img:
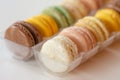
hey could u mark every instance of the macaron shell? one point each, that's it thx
(109, 20)
(95, 26)
(71, 46)
(67, 15)
(57, 15)
(81, 8)
(25, 37)
(85, 4)
(87, 38)
(64, 18)
(58, 59)
(100, 25)
(81, 23)
(91, 3)
(73, 10)
(114, 14)
(84, 10)
(75, 34)
(76, 37)
(36, 35)
(73, 38)
(92, 38)
(44, 23)
(91, 24)
(51, 23)
(44, 30)
(106, 22)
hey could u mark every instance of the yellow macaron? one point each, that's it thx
(82, 23)
(51, 22)
(110, 18)
(101, 27)
(45, 24)
(92, 24)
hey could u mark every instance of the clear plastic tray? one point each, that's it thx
(82, 58)
(29, 52)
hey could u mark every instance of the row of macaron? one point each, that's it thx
(32, 30)
(58, 53)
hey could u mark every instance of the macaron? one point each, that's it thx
(92, 27)
(76, 10)
(58, 58)
(114, 4)
(73, 11)
(80, 38)
(45, 24)
(81, 8)
(57, 15)
(91, 37)
(110, 18)
(51, 23)
(67, 15)
(98, 26)
(91, 4)
(23, 34)
(101, 27)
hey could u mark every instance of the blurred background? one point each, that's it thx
(13, 10)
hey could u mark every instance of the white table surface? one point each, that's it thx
(103, 66)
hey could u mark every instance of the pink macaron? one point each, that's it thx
(84, 39)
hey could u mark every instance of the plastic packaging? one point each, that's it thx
(81, 58)
(25, 53)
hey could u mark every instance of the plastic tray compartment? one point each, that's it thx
(84, 56)
(25, 53)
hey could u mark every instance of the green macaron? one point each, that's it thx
(67, 15)
(56, 14)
